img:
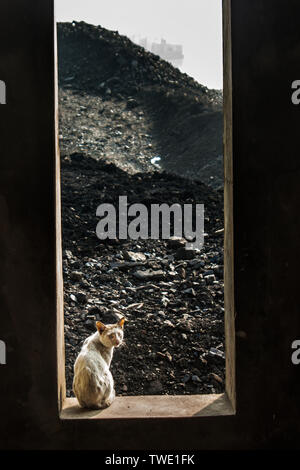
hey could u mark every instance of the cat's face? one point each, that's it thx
(111, 335)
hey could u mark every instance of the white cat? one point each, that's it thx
(93, 382)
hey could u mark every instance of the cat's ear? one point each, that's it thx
(121, 322)
(100, 326)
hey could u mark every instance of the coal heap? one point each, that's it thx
(118, 106)
(110, 60)
(185, 118)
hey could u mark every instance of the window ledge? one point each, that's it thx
(153, 406)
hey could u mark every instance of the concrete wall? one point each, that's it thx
(266, 191)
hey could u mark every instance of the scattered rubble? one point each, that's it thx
(175, 318)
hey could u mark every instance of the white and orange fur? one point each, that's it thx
(93, 382)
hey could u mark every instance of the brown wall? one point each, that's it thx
(266, 59)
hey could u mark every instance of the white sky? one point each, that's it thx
(196, 24)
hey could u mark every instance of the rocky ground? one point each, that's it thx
(125, 118)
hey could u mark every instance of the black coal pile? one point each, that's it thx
(133, 125)
(184, 118)
(114, 64)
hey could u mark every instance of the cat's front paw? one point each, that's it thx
(109, 400)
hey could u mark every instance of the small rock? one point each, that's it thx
(90, 324)
(184, 325)
(81, 297)
(132, 103)
(76, 276)
(209, 272)
(182, 272)
(176, 242)
(168, 323)
(134, 257)
(186, 378)
(216, 377)
(190, 291)
(186, 253)
(95, 310)
(217, 352)
(149, 275)
(168, 356)
(210, 279)
(202, 361)
(196, 263)
(69, 254)
(195, 379)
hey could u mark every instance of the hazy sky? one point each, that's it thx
(196, 24)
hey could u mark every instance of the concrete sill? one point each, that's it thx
(153, 406)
